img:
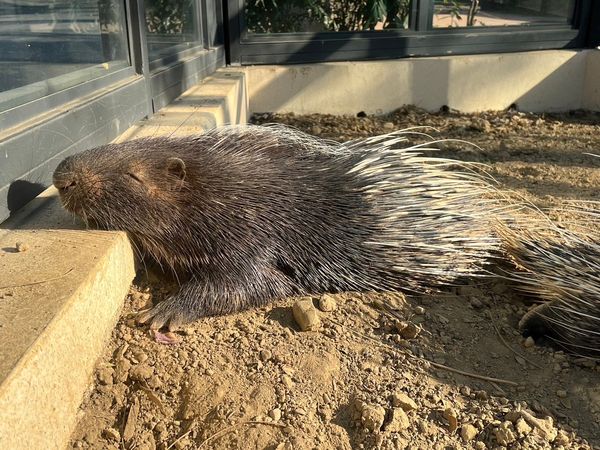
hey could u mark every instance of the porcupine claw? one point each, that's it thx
(166, 313)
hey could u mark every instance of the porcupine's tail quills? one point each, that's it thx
(561, 268)
(434, 220)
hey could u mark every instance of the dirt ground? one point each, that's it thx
(444, 371)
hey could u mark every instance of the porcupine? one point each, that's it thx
(248, 214)
(561, 267)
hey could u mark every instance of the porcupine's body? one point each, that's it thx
(560, 267)
(250, 214)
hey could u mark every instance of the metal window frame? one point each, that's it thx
(35, 136)
(419, 40)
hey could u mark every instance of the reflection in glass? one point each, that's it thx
(493, 13)
(275, 16)
(49, 46)
(170, 26)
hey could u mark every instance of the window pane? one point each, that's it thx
(493, 13)
(275, 16)
(170, 26)
(49, 46)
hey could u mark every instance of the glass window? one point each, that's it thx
(170, 26)
(46, 47)
(493, 13)
(275, 16)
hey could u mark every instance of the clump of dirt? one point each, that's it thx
(446, 370)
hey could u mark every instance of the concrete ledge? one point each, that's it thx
(591, 88)
(550, 80)
(61, 297)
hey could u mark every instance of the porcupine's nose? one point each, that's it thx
(64, 177)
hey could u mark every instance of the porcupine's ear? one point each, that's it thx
(176, 168)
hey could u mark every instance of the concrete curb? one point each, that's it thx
(61, 297)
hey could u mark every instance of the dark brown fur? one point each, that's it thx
(250, 214)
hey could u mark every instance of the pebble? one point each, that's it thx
(529, 342)
(327, 303)
(476, 303)
(141, 372)
(287, 381)
(398, 421)
(316, 130)
(389, 126)
(106, 376)
(561, 393)
(265, 355)
(468, 432)
(111, 433)
(400, 399)
(522, 427)
(306, 315)
(372, 417)
(122, 370)
(450, 415)
(22, 247)
(419, 310)
(408, 330)
(275, 414)
(504, 434)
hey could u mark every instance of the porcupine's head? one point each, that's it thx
(139, 187)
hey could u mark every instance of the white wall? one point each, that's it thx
(591, 89)
(552, 80)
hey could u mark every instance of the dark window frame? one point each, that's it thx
(419, 40)
(39, 133)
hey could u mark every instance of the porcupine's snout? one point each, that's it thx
(73, 184)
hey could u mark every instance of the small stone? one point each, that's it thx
(122, 370)
(22, 247)
(327, 303)
(389, 126)
(522, 427)
(398, 421)
(400, 399)
(544, 428)
(450, 415)
(562, 438)
(275, 414)
(105, 376)
(408, 330)
(141, 372)
(529, 342)
(183, 443)
(372, 417)
(284, 446)
(287, 381)
(112, 434)
(504, 434)
(161, 428)
(468, 432)
(419, 310)
(561, 393)
(306, 315)
(265, 355)
(476, 303)
(140, 355)
(316, 129)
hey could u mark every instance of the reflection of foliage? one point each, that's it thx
(273, 16)
(455, 8)
(169, 16)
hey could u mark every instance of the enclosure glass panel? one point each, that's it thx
(46, 47)
(493, 13)
(170, 26)
(275, 16)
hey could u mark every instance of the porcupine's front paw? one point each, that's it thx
(171, 313)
